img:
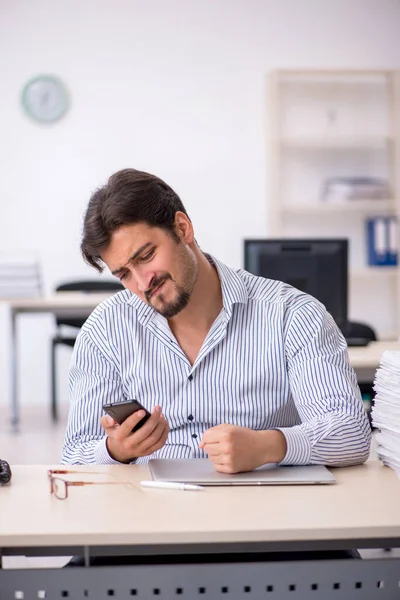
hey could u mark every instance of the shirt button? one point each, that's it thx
(190, 377)
(194, 435)
(190, 417)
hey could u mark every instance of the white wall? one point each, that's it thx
(174, 87)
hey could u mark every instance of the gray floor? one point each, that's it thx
(39, 441)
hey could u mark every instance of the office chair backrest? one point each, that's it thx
(87, 286)
(360, 330)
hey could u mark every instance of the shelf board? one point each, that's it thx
(351, 206)
(348, 73)
(364, 272)
(336, 141)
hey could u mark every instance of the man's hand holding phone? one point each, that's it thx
(124, 445)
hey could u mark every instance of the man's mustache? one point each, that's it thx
(155, 284)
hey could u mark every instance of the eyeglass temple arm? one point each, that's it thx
(79, 483)
(68, 471)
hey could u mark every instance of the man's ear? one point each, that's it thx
(184, 228)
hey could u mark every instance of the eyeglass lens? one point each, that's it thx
(59, 488)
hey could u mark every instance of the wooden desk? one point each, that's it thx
(62, 304)
(365, 360)
(361, 510)
(340, 514)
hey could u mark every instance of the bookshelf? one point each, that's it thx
(326, 129)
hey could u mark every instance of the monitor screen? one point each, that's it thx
(317, 267)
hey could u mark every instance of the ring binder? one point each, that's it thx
(382, 243)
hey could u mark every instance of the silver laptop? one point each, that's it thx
(202, 472)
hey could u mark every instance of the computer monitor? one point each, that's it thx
(315, 266)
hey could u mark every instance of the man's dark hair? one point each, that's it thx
(128, 197)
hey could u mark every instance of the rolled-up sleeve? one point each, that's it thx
(334, 427)
(93, 381)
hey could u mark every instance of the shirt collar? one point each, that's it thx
(233, 289)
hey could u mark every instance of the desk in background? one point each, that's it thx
(365, 360)
(360, 511)
(63, 304)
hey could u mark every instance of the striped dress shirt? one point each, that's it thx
(273, 359)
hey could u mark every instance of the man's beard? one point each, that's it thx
(171, 309)
(183, 294)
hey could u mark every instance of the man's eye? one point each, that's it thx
(123, 276)
(148, 255)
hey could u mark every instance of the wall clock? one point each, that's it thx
(45, 99)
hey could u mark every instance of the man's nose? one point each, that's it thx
(144, 281)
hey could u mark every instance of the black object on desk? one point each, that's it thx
(5, 472)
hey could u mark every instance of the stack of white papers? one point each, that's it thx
(19, 277)
(386, 409)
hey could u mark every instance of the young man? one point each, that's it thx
(237, 368)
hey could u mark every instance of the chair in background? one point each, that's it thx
(360, 331)
(89, 286)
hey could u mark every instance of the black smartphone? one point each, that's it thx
(119, 411)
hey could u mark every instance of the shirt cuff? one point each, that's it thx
(102, 456)
(298, 446)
